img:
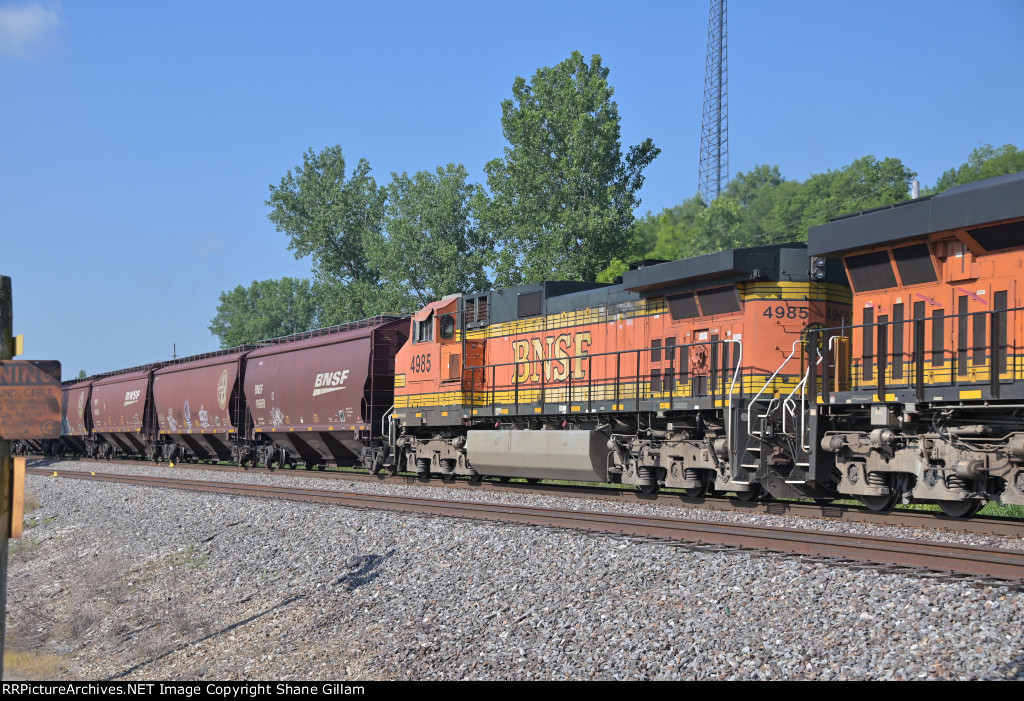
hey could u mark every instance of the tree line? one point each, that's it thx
(558, 205)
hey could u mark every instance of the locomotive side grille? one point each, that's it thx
(720, 300)
(867, 352)
(999, 302)
(961, 336)
(915, 264)
(897, 342)
(871, 271)
(938, 338)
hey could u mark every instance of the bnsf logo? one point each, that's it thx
(330, 382)
(132, 397)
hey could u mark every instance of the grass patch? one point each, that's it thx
(1009, 510)
(32, 666)
(25, 548)
(190, 558)
(30, 503)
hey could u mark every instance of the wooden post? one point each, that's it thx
(6, 473)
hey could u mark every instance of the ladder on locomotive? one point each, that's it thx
(789, 411)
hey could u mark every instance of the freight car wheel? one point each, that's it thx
(647, 488)
(533, 480)
(752, 494)
(960, 509)
(884, 502)
(703, 488)
(447, 478)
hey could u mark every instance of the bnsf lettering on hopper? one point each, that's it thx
(329, 381)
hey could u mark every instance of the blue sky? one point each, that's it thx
(138, 140)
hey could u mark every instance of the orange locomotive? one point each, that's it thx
(687, 374)
(934, 407)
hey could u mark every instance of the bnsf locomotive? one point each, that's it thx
(878, 361)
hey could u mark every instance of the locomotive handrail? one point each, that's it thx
(801, 387)
(803, 398)
(728, 402)
(571, 383)
(951, 364)
(384, 420)
(750, 413)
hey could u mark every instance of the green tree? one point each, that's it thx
(265, 309)
(562, 198)
(762, 207)
(432, 247)
(335, 220)
(672, 231)
(82, 375)
(615, 268)
(984, 162)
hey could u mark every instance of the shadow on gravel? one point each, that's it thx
(43, 462)
(214, 634)
(367, 565)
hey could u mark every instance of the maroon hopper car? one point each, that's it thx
(321, 399)
(199, 407)
(119, 411)
(77, 418)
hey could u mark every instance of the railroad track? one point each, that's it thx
(1003, 526)
(919, 555)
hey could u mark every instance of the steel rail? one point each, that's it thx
(997, 563)
(1003, 526)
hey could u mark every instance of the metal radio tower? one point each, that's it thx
(714, 130)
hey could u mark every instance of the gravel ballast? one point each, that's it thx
(129, 582)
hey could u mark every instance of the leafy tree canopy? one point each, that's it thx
(433, 247)
(562, 198)
(335, 220)
(761, 207)
(984, 162)
(265, 309)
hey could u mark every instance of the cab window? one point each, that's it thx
(423, 331)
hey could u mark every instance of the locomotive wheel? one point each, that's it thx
(884, 502)
(960, 509)
(703, 488)
(753, 494)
